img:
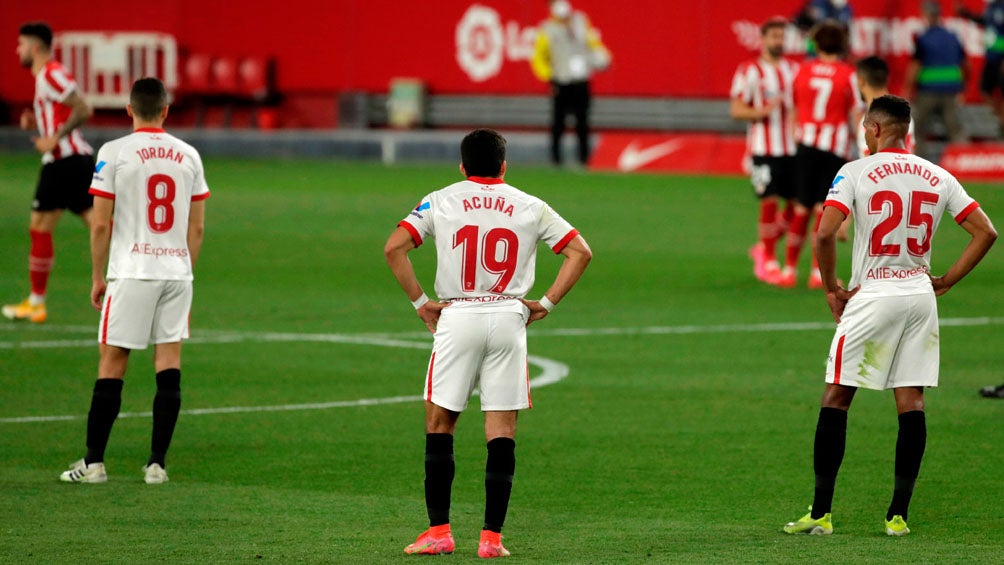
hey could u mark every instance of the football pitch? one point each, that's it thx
(675, 397)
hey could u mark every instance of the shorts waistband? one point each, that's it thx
(481, 299)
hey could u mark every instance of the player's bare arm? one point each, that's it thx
(983, 237)
(577, 257)
(740, 110)
(826, 252)
(80, 112)
(196, 228)
(396, 252)
(101, 237)
(27, 121)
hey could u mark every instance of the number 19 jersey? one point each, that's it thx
(898, 200)
(486, 234)
(153, 177)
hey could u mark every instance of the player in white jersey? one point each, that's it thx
(887, 334)
(486, 235)
(154, 185)
(59, 111)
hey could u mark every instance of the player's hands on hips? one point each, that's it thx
(838, 300)
(45, 144)
(537, 311)
(98, 289)
(429, 312)
(28, 120)
(939, 284)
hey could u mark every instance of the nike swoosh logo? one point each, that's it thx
(633, 158)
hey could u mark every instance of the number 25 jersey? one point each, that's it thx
(898, 200)
(153, 177)
(486, 234)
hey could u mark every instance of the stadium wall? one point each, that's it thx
(322, 48)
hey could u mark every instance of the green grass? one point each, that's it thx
(661, 447)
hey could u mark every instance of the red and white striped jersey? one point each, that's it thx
(153, 177)
(486, 234)
(757, 82)
(53, 84)
(898, 200)
(825, 94)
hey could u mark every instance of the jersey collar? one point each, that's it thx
(894, 150)
(149, 130)
(486, 180)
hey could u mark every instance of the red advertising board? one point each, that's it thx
(677, 153)
(680, 48)
(975, 162)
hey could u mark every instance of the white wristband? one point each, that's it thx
(546, 303)
(420, 301)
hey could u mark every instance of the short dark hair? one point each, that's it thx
(830, 37)
(776, 21)
(38, 30)
(482, 153)
(896, 109)
(148, 98)
(874, 71)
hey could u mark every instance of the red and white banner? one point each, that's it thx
(694, 153)
(681, 48)
(975, 162)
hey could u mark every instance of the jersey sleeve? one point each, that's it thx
(554, 230)
(741, 85)
(419, 221)
(59, 83)
(841, 195)
(200, 190)
(856, 100)
(103, 182)
(959, 203)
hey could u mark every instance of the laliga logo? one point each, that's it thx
(483, 43)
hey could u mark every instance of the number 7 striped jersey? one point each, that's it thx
(486, 234)
(898, 200)
(153, 177)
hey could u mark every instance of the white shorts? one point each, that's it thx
(487, 350)
(137, 313)
(886, 342)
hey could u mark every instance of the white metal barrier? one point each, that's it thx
(106, 64)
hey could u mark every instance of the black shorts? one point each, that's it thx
(992, 77)
(815, 170)
(65, 184)
(773, 176)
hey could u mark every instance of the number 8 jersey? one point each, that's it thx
(153, 177)
(898, 200)
(486, 234)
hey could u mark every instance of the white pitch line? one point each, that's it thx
(401, 340)
(553, 371)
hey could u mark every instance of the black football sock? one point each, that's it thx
(498, 481)
(828, 453)
(166, 405)
(105, 404)
(439, 469)
(910, 445)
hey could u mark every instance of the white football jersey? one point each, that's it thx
(898, 200)
(153, 178)
(486, 234)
